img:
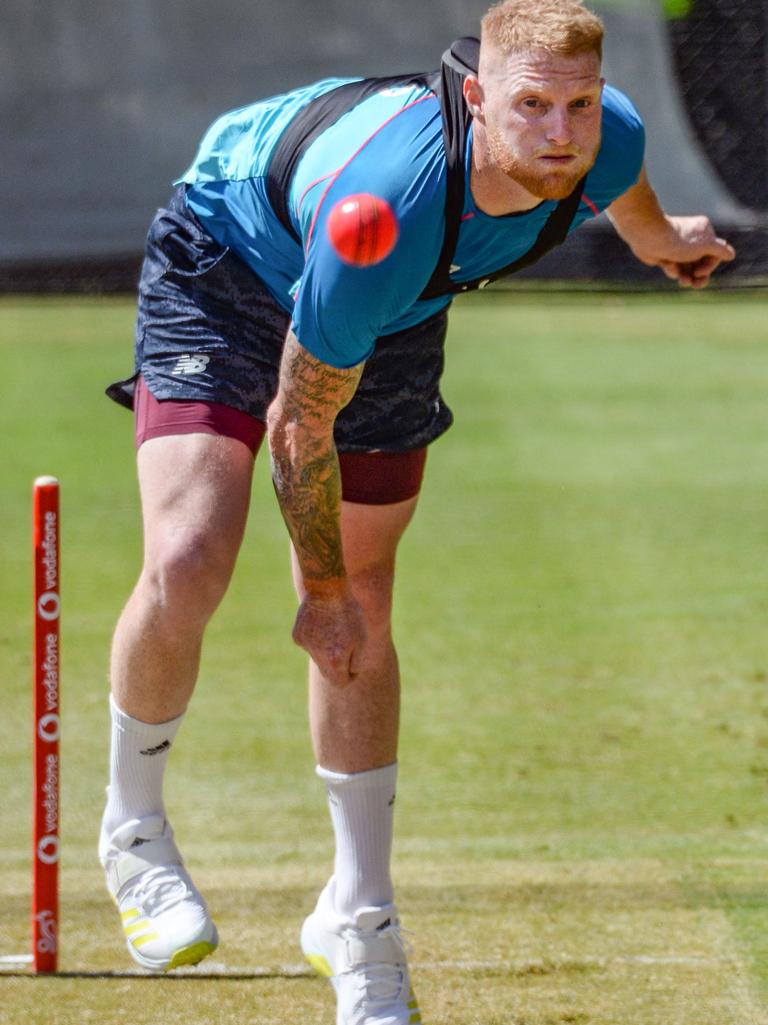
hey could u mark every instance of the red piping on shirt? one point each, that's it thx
(335, 174)
(311, 186)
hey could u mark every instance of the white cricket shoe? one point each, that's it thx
(165, 919)
(365, 961)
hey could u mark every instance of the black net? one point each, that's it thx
(720, 50)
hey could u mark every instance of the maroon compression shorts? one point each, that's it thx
(368, 478)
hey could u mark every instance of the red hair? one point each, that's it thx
(565, 27)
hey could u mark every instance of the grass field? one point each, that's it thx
(582, 827)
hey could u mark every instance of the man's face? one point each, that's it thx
(541, 113)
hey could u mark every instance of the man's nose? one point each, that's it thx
(558, 126)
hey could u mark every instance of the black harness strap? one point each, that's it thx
(309, 124)
(460, 60)
(319, 114)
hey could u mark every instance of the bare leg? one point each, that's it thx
(355, 728)
(354, 732)
(195, 491)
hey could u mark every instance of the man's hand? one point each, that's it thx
(331, 628)
(685, 248)
(691, 252)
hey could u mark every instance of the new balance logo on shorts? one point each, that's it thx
(189, 364)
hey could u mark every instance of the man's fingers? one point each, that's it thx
(340, 670)
(337, 673)
(333, 661)
(705, 266)
(702, 271)
(692, 275)
(333, 635)
(336, 667)
(672, 270)
(725, 250)
(696, 253)
(344, 665)
(355, 661)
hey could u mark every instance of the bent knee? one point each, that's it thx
(373, 586)
(188, 569)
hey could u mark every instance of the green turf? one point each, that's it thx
(580, 616)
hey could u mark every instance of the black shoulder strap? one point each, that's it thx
(310, 123)
(458, 62)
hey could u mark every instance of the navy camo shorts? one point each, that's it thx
(208, 330)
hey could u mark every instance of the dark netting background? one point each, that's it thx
(719, 50)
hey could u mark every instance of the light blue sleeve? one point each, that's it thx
(622, 150)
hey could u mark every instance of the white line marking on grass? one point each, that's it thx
(518, 967)
(558, 964)
(672, 959)
(544, 967)
(257, 971)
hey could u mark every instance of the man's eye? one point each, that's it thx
(582, 104)
(531, 102)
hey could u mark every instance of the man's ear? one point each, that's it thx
(474, 96)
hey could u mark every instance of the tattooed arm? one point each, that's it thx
(305, 471)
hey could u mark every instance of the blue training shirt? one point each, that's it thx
(390, 145)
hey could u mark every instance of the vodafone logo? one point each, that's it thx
(46, 923)
(48, 606)
(49, 727)
(48, 850)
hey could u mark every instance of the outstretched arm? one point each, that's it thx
(305, 472)
(685, 248)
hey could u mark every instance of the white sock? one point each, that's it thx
(137, 758)
(362, 809)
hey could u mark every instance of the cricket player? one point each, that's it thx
(250, 324)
